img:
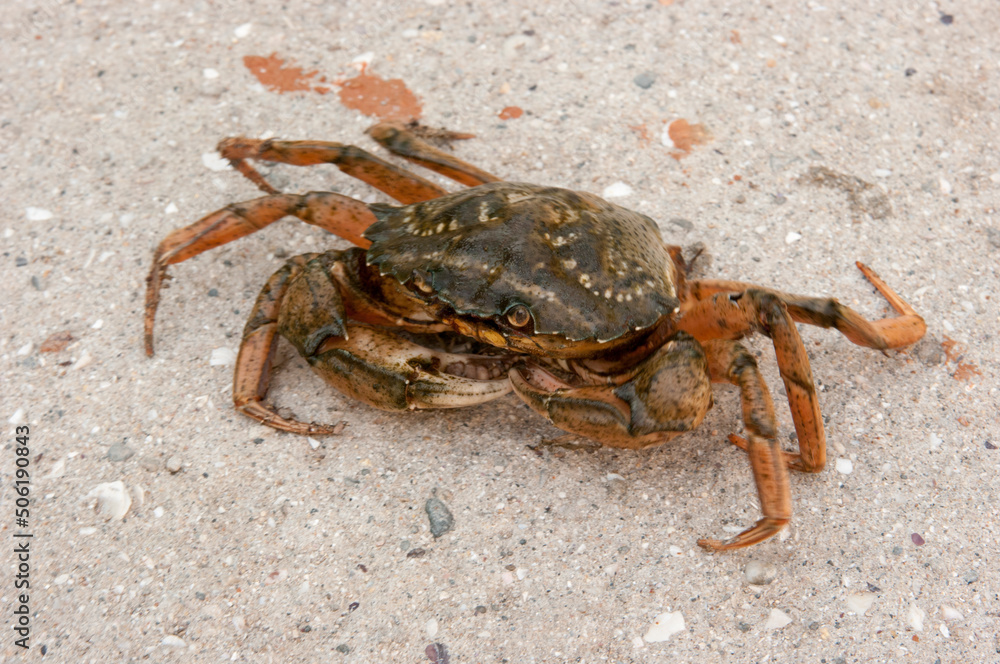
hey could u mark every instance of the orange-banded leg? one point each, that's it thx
(667, 394)
(338, 214)
(730, 362)
(400, 140)
(906, 329)
(397, 182)
(306, 301)
(736, 315)
(718, 315)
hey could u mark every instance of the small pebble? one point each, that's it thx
(440, 517)
(243, 30)
(917, 539)
(616, 190)
(971, 576)
(792, 237)
(844, 466)
(17, 417)
(759, 574)
(208, 73)
(682, 223)
(431, 627)
(343, 648)
(860, 603)
(174, 464)
(171, 208)
(664, 626)
(645, 80)
(120, 452)
(777, 619)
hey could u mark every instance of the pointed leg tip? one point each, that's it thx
(711, 544)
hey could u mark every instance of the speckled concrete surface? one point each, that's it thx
(263, 547)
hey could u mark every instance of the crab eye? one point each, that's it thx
(519, 316)
(421, 282)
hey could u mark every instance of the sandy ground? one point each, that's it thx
(829, 135)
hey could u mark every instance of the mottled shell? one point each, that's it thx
(584, 268)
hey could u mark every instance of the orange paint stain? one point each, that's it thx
(277, 76)
(685, 136)
(387, 100)
(963, 370)
(510, 113)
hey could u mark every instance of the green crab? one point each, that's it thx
(573, 303)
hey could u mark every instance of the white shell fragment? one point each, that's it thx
(243, 30)
(665, 626)
(58, 470)
(777, 619)
(860, 602)
(431, 628)
(222, 357)
(37, 214)
(17, 417)
(792, 237)
(950, 614)
(915, 618)
(616, 190)
(173, 641)
(845, 466)
(112, 500)
(213, 161)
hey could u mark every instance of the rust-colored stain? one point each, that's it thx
(963, 370)
(643, 132)
(388, 100)
(278, 76)
(510, 113)
(685, 136)
(56, 342)
(734, 37)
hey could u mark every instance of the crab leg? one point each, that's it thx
(306, 301)
(338, 214)
(736, 315)
(904, 330)
(397, 182)
(730, 362)
(399, 140)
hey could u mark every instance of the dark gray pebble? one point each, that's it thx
(645, 80)
(440, 517)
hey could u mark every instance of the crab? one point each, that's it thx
(573, 303)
